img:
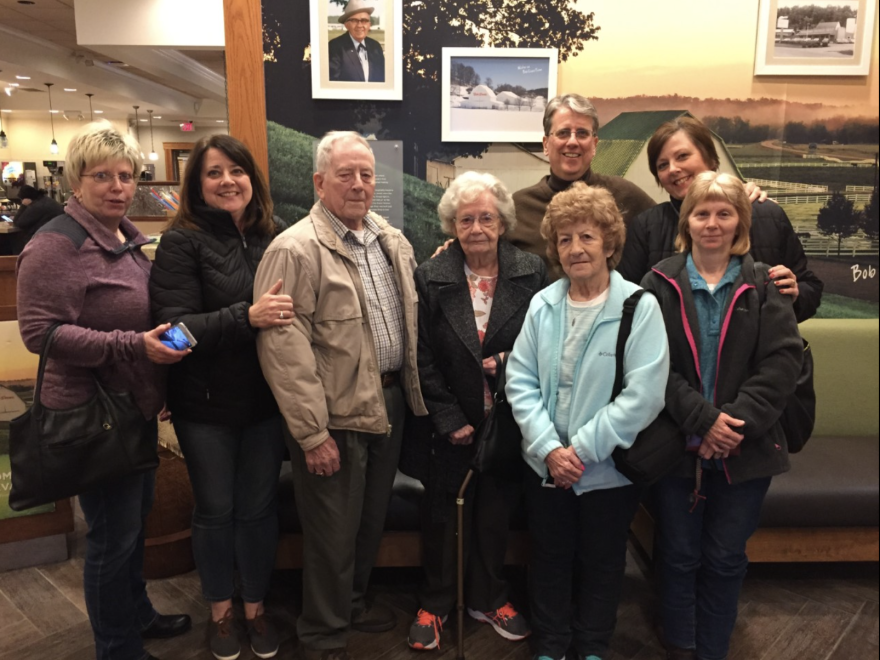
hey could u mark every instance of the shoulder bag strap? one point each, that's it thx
(626, 321)
(44, 356)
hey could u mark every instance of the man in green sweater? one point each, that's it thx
(571, 133)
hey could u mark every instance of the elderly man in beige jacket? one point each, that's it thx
(343, 374)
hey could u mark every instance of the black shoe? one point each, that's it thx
(168, 625)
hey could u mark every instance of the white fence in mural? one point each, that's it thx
(783, 186)
(776, 163)
(820, 199)
(860, 189)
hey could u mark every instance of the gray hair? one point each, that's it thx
(97, 142)
(325, 146)
(574, 102)
(466, 188)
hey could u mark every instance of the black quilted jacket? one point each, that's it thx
(204, 278)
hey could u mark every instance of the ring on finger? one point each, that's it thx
(281, 314)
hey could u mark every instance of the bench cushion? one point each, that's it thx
(833, 482)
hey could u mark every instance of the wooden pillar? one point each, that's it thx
(245, 84)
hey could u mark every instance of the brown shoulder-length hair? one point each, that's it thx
(258, 215)
(697, 132)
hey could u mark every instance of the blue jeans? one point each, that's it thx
(579, 555)
(115, 591)
(702, 557)
(234, 474)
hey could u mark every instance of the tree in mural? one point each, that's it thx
(871, 217)
(838, 218)
(428, 26)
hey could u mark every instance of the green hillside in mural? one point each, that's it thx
(291, 167)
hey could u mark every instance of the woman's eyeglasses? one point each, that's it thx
(106, 177)
(486, 220)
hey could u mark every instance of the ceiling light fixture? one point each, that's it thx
(4, 142)
(91, 114)
(99, 112)
(153, 154)
(53, 147)
(68, 89)
(23, 77)
(137, 127)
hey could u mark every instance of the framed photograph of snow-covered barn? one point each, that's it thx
(496, 94)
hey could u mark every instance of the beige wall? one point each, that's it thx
(17, 362)
(29, 139)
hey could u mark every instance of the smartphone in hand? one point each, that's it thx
(178, 337)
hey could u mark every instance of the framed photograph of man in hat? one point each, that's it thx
(356, 49)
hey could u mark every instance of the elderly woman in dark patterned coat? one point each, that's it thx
(473, 298)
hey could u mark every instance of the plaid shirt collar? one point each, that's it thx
(372, 229)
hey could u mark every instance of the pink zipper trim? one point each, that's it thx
(724, 327)
(742, 289)
(685, 323)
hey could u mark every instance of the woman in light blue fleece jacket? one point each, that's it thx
(560, 374)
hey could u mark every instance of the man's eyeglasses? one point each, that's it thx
(106, 177)
(486, 220)
(581, 134)
(359, 21)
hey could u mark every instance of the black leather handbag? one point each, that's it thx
(498, 438)
(659, 448)
(55, 454)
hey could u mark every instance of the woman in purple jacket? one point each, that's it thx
(85, 272)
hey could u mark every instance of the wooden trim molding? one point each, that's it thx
(245, 82)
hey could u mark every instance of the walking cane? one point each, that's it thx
(459, 503)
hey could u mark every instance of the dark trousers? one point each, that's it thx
(343, 517)
(488, 505)
(578, 564)
(702, 557)
(113, 581)
(234, 474)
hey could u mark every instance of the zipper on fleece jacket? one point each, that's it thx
(690, 337)
(724, 326)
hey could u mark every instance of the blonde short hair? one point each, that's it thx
(593, 204)
(466, 188)
(720, 187)
(97, 142)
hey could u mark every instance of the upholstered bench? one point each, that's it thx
(826, 507)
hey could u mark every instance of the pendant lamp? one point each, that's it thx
(4, 142)
(53, 147)
(91, 114)
(153, 154)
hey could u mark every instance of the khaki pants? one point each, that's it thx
(343, 517)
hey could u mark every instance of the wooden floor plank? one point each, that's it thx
(67, 577)
(15, 636)
(766, 614)
(35, 597)
(9, 613)
(72, 643)
(861, 640)
(815, 634)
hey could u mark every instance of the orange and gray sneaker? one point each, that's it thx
(507, 622)
(424, 633)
